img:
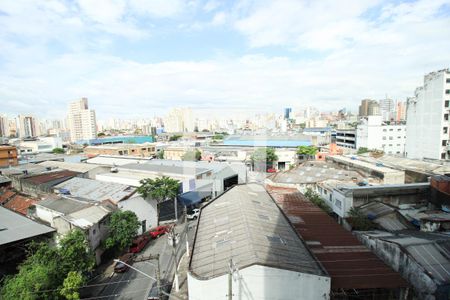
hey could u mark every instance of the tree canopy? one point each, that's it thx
(161, 188)
(192, 155)
(58, 150)
(266, 155)
(362, 150)
(123, 228)
(307, 150)
(160, 154)
(43, 274)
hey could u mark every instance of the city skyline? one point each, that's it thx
(211, 55)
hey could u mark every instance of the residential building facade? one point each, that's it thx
(373, 133)
(427, 115)
(8, 156)
(81, 121)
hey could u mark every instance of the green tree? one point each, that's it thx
(101, 134)
(358, 220)
(71, 285)
(263, 157)
(317, 200)
(58, 150)
(175, 137)
(161, 188)
(75, 253)
(160, 154)
(362, 150)
(193, 155)
(308, 151)
(218, 136)
(123, 227)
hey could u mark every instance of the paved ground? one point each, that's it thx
(134, 285)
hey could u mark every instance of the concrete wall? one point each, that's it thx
(145, 210)
(393, 256)
(260, 282)
(46, 215)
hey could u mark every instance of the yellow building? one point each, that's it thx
(8, 156)
(138, 150)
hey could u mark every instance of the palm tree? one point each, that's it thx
(161, 188)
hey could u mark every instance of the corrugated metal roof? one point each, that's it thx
(88, 216)
(350, 264)
(110, 160)
(6, 195)
(96, 190)
(20, 204)
(63, 205)
(245, 224)
(385, 216)
(50, 176)
(14, 227)
(4, 179)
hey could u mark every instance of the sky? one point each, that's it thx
(138, 58)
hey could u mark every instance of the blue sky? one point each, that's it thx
(136, 58)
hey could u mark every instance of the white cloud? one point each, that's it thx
(158, 8)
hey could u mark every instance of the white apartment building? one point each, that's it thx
(373, 133)
(179, 120)
(427, 116)
(27, 126)
(81, 121)
(4, 126)
(387, 109)
(346, 138)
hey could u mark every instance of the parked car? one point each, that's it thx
(139, 243)
(158, 231)
(271, 170)
(120, 267)
(193, 214)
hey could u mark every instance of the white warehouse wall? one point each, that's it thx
(261, 282)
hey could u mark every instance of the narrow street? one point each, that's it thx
(134, 285)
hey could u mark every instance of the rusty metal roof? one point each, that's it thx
(20, 204)
(51, 176)
(350, 264)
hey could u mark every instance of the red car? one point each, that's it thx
(271, 170)
(139, 243)
(158, 231)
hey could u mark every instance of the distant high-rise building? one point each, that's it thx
(369, 108)
(427, 118)
(387, 109)
(400, 111)
(4, 126)
(287, 113)
(81, 121)
(179, 120)
(27, 126)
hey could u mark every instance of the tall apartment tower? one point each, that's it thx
(179, 120)
(27, 126)
(387, 109)
(4, 126)
(369, 108)
(81, 121)
(427, 118)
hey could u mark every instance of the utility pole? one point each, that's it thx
(176, 208)
(158, 279)
(173, 240)
(230, 280)
(186, 230)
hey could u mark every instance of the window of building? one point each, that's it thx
(391, 138)
(447, 80)
(442, 155)
(399, 129)
(399, 137)
(398, 145)
(390, 145)
(446, 117)
(384, 137)
(444, 143)
(445, 130)
(391, 129)
(384, 145)
(447, 92)
(384, 130)
(398, 152)
(447, 103)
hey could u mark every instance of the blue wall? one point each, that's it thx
(271, 143)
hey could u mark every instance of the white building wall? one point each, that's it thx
(262, 283)
(145, 210)
(426, 113)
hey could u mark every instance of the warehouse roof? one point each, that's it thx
(111, 160)
(14, 227)
(96, 190)
(245, 225)
(76, 167)
(165, 168)
(350, 264)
